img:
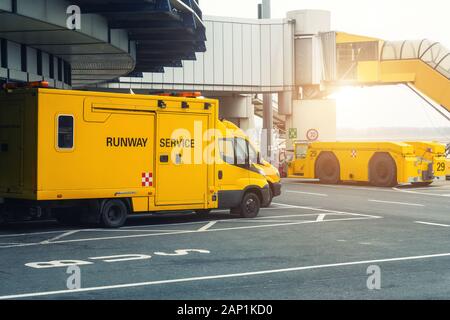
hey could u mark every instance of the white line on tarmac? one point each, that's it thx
(207, 226)
(340, 187)
(280, 206)
(422, 193)
(361, 217)
(221, 276)
(320, 217)
(433, 224)
(308, 193)
(399, 203)
(31, 234)
(66, 234)
(329, 211)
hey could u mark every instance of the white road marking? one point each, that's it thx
(221, 276)
(320, 217)
(433, 224)
(358, 216)
(134, 230)
(330, 211)
(361, 217)
(123, 258)
(31, 234)
(399, 203)
(341, 187)
(308, 193)
(207, 226)
(421, 193)
(66, 234)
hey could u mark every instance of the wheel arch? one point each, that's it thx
(322, 154)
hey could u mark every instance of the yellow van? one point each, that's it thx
(264, 167)
(115, 154)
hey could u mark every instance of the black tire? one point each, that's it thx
(202, 213)
(250, 205)
(383, 171)
(422, 184)
(328, 170)
(269, 202)
(113, 214)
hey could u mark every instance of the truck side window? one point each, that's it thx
(241, 152)
(301, 151)
(227, 150)
(65, 132)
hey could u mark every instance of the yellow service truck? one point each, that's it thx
(264, 167)
(97, 157)
(383, 164)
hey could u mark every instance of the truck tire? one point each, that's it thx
(383, 170)
(269, 201)
(113, 213)
(328, 170)
(250, 205)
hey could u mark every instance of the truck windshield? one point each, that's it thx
(253, 155)
(301, 151)
(227, 150)
(241, 151)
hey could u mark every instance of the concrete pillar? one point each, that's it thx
(238, 109)
(285, 103)
(268, 123)
(267, 139)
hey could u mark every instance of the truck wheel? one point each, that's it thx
(113, 214)
(269, 201)
(250, 205)
(327, 168)
(202, 213)
(383, 171)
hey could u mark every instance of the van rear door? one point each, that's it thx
(181, 178)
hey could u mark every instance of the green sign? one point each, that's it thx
(293, 133)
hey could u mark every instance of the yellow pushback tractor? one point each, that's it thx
(98, 157)
(383, 164)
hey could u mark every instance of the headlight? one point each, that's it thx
(261, 172)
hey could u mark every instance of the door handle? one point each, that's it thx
(220, 174)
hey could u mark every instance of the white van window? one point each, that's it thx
(227, 150)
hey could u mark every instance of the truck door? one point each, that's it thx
(181, 177)
(301, 152)
(233, 172)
